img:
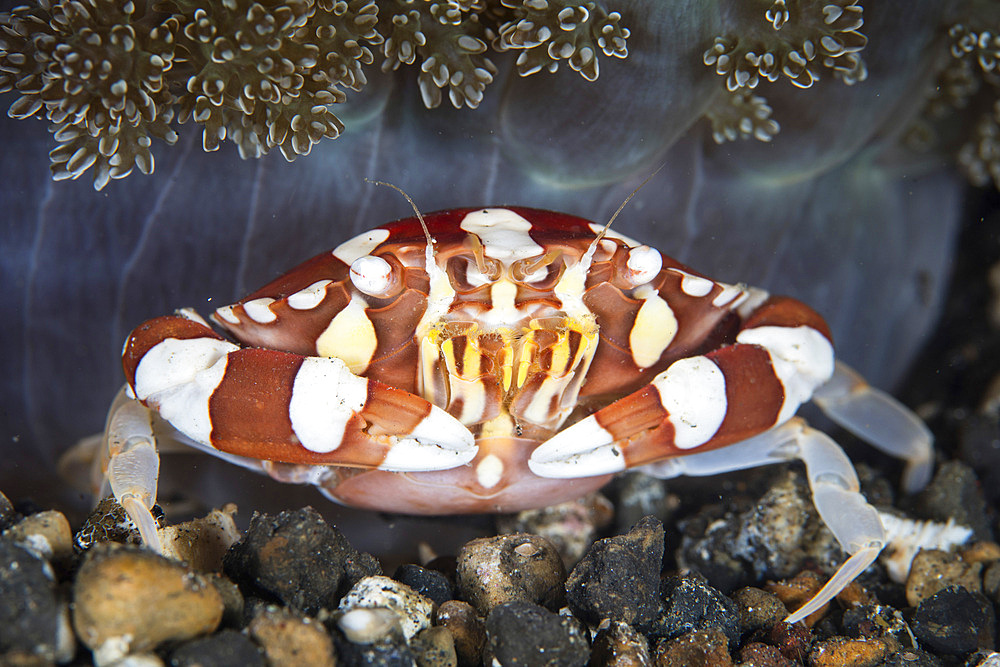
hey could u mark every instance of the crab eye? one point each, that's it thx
(643, 264)
(373, 276)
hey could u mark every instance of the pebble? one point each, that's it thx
(758, 608)
(525, 634)
(494, 570)
(289, 640)
(297, 558)
(109, 522)
(619, 577)
(955, 493)
(430, 583)
(980, 552)
(222, 649)
(46, 533)
(792, 641)
(8, 515)
(774, 532)
(389, 651)
(877, 621)
(841, 651)
(466, 627)
(413, 609)
(434, 647)
(691, 604)
(757, 654)
(571, 526)
(33, 620)
(128, 600)
(619, 645)
(202, 543)
(933, 570)
(798, 590)
(698, 648)
(367, 626)
(642, 495)
(991, 581)
(955, 621)
(983, 659)
(707, 547)
(912, 657)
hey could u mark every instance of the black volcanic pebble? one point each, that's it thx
(29, 609)
(955, 493)
(298, 558)
(619, 577)
(429, 583)
(528, 635)
(955, 621)
(691, 604)
(8, 515)
(911, 657)
(219, 650)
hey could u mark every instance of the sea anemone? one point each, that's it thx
(97, 75)
(449, 40)
(790, 39)
(793, 41)
(546, 32)
(110, 75)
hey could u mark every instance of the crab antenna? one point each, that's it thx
(430, 240)
(604, 231)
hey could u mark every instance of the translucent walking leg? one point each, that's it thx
(131, 465)
(878, 418)
(833, 483)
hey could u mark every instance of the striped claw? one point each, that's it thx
(284, 407)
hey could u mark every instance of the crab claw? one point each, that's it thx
(283, 407)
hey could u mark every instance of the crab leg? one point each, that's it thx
(253, 404)
(130, 464)
(880, 419)
(833, 482)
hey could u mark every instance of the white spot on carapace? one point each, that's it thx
(372, 275)
(360, 245)
(694, 285)
(226, 314)
(259, 310)
(325, 395)
(653, 330)
(308, 297)
(489, 471)
(693, 392)
(730, 297)
(178, 376)
(612, 234)
(503, 233)
(350, 336)
(802, 359)
(643, 264)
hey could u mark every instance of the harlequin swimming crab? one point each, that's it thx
(497, 359)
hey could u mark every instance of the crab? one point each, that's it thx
(499, 359)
